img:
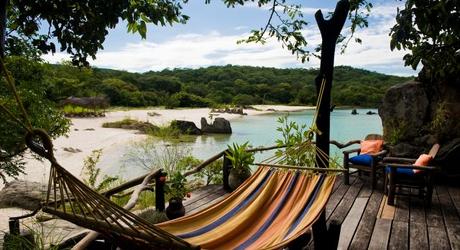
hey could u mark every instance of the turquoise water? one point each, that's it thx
(260, 130)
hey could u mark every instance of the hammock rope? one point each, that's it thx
(69, 198)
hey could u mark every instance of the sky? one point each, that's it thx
(210, 38)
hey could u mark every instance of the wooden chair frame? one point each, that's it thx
(423, 181)
(372, 170)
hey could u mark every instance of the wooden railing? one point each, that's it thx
(226, 166)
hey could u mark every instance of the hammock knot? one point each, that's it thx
(40, 143)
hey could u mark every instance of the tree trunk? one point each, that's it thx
(330, 31)
(3, 4)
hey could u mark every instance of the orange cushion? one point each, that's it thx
(422, 160)
(371, 146)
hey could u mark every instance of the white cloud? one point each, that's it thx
(194, 50)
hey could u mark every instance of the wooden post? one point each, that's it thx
(14, 226)
(330, 31)
(160, 192)
(392, 188)
(346, 174)
(226, 171)
(334, 234)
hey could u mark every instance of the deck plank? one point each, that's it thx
(205, 201)
(418, 236)
(201, 193)
(366, 225)
(449, 212)
(346, 203)
(402, 209)
(380, 235)
(351, 222)
(399, 238)
(434, 214)
(417, 208)
(337, 196)
(453, 232)
(438, 238)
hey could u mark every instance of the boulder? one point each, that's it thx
(219, 126)
(448, 158)
(354, 112)
(406, 150)
(404, 110)
(23, 194)
(186, 127)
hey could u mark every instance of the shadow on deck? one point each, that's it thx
(369, 223)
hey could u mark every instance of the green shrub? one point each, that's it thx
(190, 100)
(243, 99)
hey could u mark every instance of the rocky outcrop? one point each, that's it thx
(23, 194)
(219, 126)
(417, 114)
(186, 127)
(404, 111)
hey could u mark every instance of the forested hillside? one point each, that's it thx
(212, 86)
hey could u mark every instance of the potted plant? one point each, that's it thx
(176, 190)
(241, 160)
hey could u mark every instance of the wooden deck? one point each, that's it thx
(204, 197)
(368, 223)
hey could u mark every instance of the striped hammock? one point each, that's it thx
(269, 210)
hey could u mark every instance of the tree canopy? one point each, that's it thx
(430, 32)
(80, 27)
(216, 85)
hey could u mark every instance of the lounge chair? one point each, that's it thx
(365, 161)
(410, 173)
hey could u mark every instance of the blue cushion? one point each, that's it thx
(403, 171)
(363, 159)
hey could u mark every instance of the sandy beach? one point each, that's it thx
(87, 134)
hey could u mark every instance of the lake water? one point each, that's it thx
(260, 130)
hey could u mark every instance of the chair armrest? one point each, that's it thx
(351, 151)
(379, 154)
(398, 160)
(412, 166)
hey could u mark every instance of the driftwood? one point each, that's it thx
(90, 237)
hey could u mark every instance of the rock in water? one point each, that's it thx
(354, 112)
(219, 126)
(186, 127)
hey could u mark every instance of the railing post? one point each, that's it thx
(346, 175)
(392, 190)
(160, 181)
(226, 171)
(14, 226)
